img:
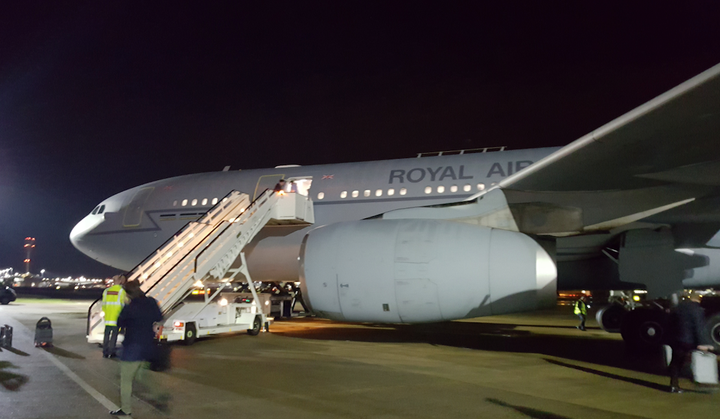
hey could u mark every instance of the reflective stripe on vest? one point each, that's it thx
(112, 303)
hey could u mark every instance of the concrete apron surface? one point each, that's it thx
(534, 365)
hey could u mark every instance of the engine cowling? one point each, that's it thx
(414, 271)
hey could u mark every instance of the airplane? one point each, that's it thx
(445, 236)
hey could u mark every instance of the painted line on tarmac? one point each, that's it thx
(64, 368)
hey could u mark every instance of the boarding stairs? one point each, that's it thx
(208, 248)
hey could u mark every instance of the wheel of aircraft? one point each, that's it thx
(257, 325)
(712, 326)
(643, 329)
(190, 334)
(610, 317)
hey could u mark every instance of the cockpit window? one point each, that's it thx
(95, 210)
(102, 209)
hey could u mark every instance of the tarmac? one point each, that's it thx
(535, 365)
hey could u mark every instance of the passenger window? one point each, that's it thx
(403, 191)
(101, 210)
(184, 202)
(378, 192)
(355, 194)
(428, 189)
(174, 203)
(481, 186)
(391, 192)
(343, 194)
(204, 201)
(366, 193)
(214, 201)
(466, 188)
(194, 202)
(453, 188)
(94, 211)
(321, 195)
(441, 189)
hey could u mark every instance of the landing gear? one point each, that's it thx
(610, 318)
(712, 327)
(644, 329)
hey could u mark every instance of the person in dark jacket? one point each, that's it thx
(138, 320)
(686, 334)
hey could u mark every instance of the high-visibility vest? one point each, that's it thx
(113, 300)
(580, 307)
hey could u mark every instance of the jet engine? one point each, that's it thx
(414, 271)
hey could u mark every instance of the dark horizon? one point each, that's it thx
(97, 98)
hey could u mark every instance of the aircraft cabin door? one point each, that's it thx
(266, 182)
(134, 210)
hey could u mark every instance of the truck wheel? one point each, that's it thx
(257, 325)
(610, 318)
(5, 301)
(190, 334)
(712, 326)
(643, 329)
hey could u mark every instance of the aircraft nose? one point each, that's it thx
(78, 235)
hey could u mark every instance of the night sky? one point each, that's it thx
(97, 97)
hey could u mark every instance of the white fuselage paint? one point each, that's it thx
(137, 221)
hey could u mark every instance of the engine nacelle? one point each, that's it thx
(414, 271)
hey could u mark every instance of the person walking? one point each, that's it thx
(581, 312)
(113, 301)
(686, 334)
(138, 319)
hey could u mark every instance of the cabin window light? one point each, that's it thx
(174, 203)
(378, 192)
(366, 193)
(403, 191)
(321, 195)
(428, 189)
(391, 192)
(441, 189)
(453, 188)
(467, 188)
(194, 202)
(481, 186)
(184, 202)
(355, 194)
(204, 201)
(343, 194)
(214, 201)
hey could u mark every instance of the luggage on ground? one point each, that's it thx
(704, 367)
(43, 333)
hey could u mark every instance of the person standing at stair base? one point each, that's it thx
(113, 301)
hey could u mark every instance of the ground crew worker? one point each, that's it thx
(113, 300)
(581, 312)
